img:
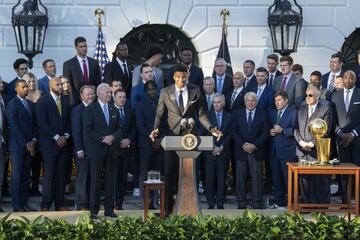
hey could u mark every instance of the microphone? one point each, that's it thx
(191, 123)
(183, 123)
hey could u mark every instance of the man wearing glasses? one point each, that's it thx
(223, 83)
(314, 188)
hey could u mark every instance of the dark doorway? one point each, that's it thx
(172, 39)
(349, 50)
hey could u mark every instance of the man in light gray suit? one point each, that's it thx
(153, 55)
(288, 82)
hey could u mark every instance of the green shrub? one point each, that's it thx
(249, 226)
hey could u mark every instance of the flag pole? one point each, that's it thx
(224, 14)
(99, 13)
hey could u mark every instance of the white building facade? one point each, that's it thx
(325, 25)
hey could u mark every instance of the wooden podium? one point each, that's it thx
(187, 200)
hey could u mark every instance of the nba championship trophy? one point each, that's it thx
(318, 129)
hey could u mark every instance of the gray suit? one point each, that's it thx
(158, 76)
(295, 89)
(167, 104)
(314, 188)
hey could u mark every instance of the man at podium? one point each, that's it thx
(179, 102)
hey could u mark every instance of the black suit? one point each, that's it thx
(238, 102)
(113, 71)
(256, 134)
(315, 188)
(215, 167)
(82, 165)
(72, 70)
(227, 84)
(51, 123)
(100, 154)
(251, 84)
(347, 122)
(129, 131)
(196, 76)
(269, 81)
(167, 104)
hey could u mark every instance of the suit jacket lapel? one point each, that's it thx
(78, 68)
(101, 113)
(354, 95)
(191, 94)
(316, 112)
(290, 83)
(91, 68)
(173, 98)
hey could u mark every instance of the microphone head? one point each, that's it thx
(183, 122)
(191, 121)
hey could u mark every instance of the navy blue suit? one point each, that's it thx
(266, 101)
(43, 85)
(251, 84)
(82, 165)
(215, 167)
(283, 150)
(50, 124)
(100, 154)
(151, 156)
(137, 94)
(238, 103)
(127, 154)
(257, 135)
(11, 88)
(196, 76)
(21, 131)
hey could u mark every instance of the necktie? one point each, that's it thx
(259, 93)
(249, 121)
(181, 102)
(125, 70)
(278, 117)
(86, 76)
(233, 97)
(122, 117)
(271, 80)
(219, 85)
(246, 82)
(283, 84)
(218, 120)
(58, 104)
(332, 83)
(26, 107)
(347, 100)
(209, 102)
(106, 113)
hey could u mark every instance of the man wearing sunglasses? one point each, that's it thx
(314, 188)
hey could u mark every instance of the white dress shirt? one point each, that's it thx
(185, 95)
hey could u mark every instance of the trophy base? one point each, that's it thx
(323, 164)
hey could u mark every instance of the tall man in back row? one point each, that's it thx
(180, 101)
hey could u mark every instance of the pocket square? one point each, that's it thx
(193, 101)
(356, 103)
(113, 116)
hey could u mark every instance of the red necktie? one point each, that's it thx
(86, 76)
(283, 84)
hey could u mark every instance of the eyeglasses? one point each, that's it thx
(309, 95)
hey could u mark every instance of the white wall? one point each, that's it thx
(326, 24)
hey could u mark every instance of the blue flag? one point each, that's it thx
(225, 54)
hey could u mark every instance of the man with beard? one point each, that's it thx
(53, 119)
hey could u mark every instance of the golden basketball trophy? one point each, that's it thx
(318, 129)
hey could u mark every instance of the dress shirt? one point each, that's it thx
(67, 135)
(81, 64)
(287, 79)
(311, 109)
(185, 95)
(121, 63)
(262, 87)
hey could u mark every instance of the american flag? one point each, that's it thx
(100, 53)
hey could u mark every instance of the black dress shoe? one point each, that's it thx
(94, 216)
(1, 210)
(211, 207)
(258, 206)
(110, 214)
(119, 208)
(220, 207)
(35, 192)
(29, 209)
